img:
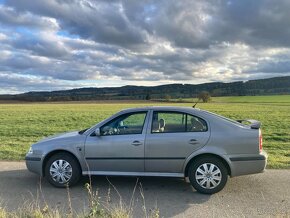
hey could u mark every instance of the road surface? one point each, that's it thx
(260, 195)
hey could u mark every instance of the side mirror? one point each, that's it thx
(97, 132)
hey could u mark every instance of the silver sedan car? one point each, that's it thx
(154, 141)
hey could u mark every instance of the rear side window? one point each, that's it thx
(195, 124)
(170, 122)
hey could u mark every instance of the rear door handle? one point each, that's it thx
(193, 142)
(136, 143)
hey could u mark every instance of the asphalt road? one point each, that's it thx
(261, 195)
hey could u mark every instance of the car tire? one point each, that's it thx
(208, 175)
(62, 170)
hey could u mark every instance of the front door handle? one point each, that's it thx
(193, 142)
(136, 143)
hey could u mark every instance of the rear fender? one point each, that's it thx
(216, 151)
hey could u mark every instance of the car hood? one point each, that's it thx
(60, 136)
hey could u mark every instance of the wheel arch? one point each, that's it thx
(207, 155)
(50, 154)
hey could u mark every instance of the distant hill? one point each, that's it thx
(272, 86)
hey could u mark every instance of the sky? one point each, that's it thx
(62, 44)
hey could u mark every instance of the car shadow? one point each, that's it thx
(172, 196)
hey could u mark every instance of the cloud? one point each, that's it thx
(104, 43)
(10, 17)
(46, 45)
(20, 83)
(101, 21)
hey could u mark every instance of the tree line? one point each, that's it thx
(272, 86)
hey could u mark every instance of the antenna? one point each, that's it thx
(195, 103)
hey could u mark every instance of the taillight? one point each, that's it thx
(260, 140)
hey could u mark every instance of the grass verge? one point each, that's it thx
(97, 208)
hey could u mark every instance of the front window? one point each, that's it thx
(170, 122)
(131, 123)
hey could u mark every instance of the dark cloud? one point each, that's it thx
(257, 23)
(42, 47)
(16, 83)
(101, 21)
(199, 24)
(10, 17)
(190, 24)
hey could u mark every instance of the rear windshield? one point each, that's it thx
(227, 119)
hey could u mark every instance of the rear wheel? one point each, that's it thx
(208, 175)
(62, 170)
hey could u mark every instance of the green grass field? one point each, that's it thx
(24, 124)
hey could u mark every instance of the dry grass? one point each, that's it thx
(97, 207)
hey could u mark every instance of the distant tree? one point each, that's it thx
(204, 96)
(148, 97)
(167, 97)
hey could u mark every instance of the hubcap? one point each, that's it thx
(60, 171)
(208, 176)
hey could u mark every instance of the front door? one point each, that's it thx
(120, 147)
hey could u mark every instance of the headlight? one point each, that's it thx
(30, 151)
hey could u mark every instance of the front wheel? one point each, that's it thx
(62, 170)
(208, 175)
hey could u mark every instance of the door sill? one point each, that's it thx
(116, 173)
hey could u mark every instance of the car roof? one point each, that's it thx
(169, 108)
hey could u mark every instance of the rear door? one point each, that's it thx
(172, 136)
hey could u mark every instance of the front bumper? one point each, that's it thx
(244, 165)
(34, 164)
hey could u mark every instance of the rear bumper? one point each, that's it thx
(34, 164)
(244, 165)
